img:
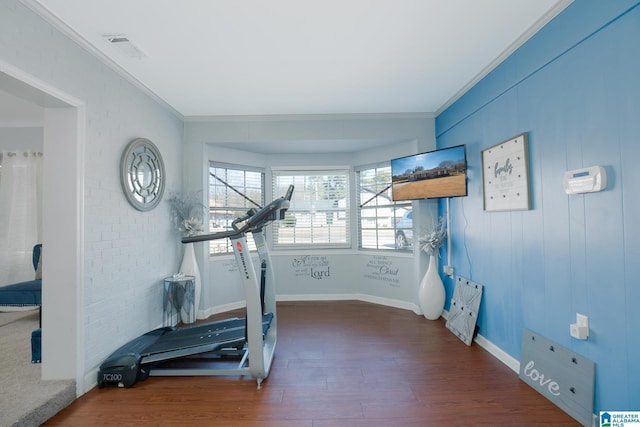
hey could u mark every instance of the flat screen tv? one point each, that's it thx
(434, 174)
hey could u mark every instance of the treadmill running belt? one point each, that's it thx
(201, 338)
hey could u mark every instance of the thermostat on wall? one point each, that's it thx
(586, 180)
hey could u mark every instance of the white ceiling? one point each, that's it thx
(17, 112)
(256, 57)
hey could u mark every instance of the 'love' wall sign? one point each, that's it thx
(559, 374)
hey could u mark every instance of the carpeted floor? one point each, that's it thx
(11, 314)
(26, 400)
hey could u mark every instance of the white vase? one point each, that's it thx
(189, 267)
(431, 293)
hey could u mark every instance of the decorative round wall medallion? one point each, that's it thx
(142, 174)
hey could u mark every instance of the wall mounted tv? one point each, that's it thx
(434, 174)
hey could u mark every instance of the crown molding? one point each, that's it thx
(544, 20)
(310, 117)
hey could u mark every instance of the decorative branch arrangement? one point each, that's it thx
(186, 212)
(431, 241)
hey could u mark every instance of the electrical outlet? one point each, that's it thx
(580, 329)
(582, 320)
(448, 270)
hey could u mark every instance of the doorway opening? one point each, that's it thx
(62, 222)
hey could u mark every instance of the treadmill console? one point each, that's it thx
(254, 219)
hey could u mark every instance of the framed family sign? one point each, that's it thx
(505, 175)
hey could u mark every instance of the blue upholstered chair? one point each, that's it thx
(27, 293)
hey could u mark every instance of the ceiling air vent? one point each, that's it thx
(126, 46)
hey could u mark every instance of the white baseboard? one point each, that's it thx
(498, 353)
(90, 380)
(204, 314)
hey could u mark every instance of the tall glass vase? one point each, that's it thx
(431, 293)
(189, 267)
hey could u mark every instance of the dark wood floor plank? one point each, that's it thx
(343, 363)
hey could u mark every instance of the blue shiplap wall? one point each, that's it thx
(575, 88)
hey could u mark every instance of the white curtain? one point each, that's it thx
(20, 214)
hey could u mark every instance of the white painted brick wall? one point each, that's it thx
(127, 252)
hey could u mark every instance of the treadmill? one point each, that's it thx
(213, 348)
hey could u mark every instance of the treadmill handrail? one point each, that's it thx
(253, 220)
(211, 236)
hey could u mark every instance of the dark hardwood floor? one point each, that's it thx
(344, 363)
